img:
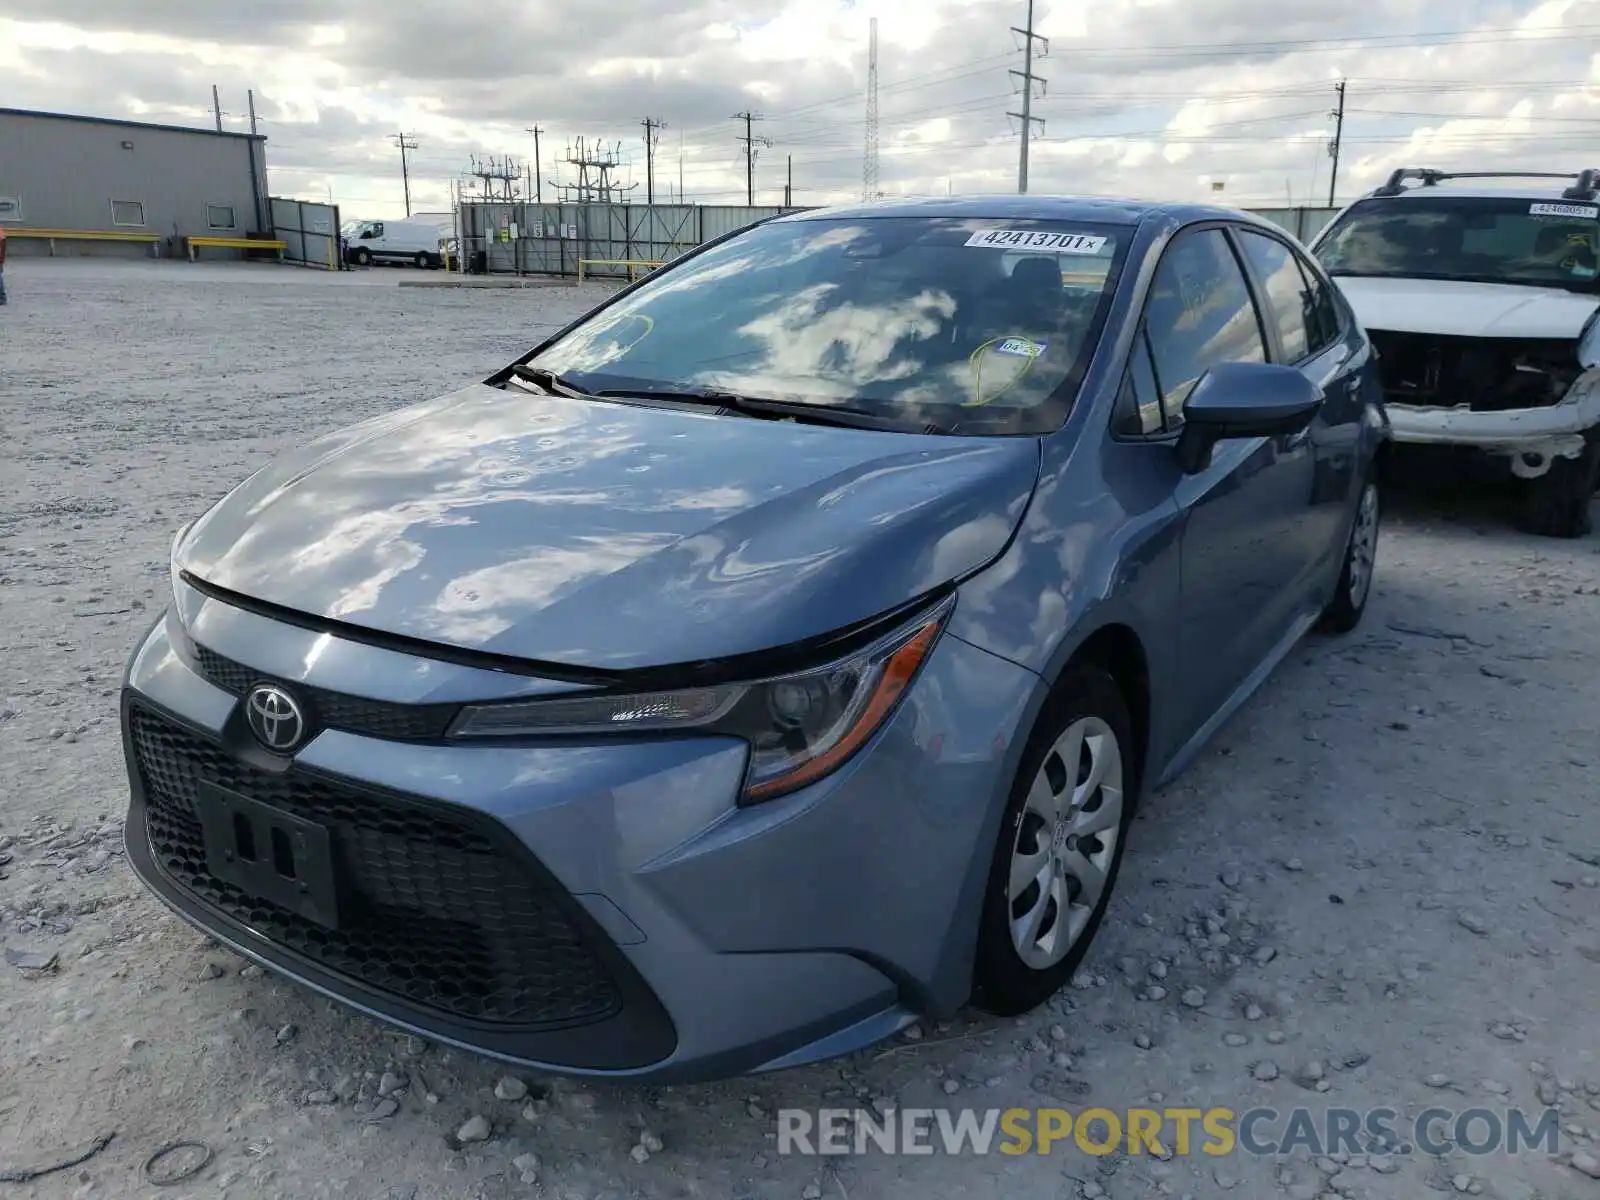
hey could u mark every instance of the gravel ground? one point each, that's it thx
(1378, 888)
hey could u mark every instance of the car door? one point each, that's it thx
(1238, 573)
(1304, 327)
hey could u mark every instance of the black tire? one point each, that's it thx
(421, 261)
(363, 257)
(1557, 503)
(1355, 585)
(1003, 983)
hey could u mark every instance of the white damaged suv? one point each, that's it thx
(1482, 300)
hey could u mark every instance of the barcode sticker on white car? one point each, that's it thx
(1582, 211)
(1044, 243)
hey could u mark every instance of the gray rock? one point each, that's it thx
(1277, 1037)
(1382, 1164)
(1194, 997)
(640, 1153)
(811, 1192)
(210, 971)
(1263, 956)
(1231, 879)
(1294, 864)
(527, 1166)
(475, 1129)
(1436, 1081)
(1093, 1191)
(1586, 1164)
(1155, 992)
(1143, 1041)
(1235, 1040)
(390, 1083)
(1265, 1071)
(1461, 1183)
(510, 1088)
(951, 1087)
(383, 1109)
(1061, 1060)
(1253, 1012)
(250, 971)
(1058, 1033)
(1472, 923)
(285, 1035)
(1548, 1092)
(321, 1096)
(1158, 970)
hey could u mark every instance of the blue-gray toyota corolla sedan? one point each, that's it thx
(774, 655)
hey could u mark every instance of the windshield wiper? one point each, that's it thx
(761, 406)
(548, 380)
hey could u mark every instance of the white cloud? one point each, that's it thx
(1146, 97)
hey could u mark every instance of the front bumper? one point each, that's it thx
(580, 908)
(1530, 438)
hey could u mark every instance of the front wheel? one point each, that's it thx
(1557, 503)
(422, 262)
(1360, 561)
(1060, 845)
(363, 257)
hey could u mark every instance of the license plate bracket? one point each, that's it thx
(269, 854)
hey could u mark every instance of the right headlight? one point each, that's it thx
(800, 726)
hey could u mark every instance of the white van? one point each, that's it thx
(414, 242)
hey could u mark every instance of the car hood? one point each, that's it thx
(610, 536)
(1452, 307)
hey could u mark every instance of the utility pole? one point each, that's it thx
(250, 96)
(652, 137)
(788, 186)
(869, 158)
(216, 106)
(1338, 136)
(406, 142)
(538, 188)
(751, 142)
(680, 166)
(1029, 37)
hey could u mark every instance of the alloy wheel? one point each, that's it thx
(1364, 545)
(1066, 842)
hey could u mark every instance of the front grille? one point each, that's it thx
(337, 710)
(437, 907)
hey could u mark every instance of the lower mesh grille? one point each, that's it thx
(436, 907)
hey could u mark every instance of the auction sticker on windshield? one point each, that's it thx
(1585, 211)
(1047, 243)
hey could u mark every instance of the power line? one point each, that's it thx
(1028, 80)
(406, 142)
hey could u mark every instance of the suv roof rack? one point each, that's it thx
(1586, 187)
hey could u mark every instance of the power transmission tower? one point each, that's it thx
(751, 149)
(497, 178)
(538, 188)
(1029, 37)
(406, 142)
(594, 166)
(1338, 136)
(869, 159)
(652, 137)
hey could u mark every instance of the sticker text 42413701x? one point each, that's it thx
(1044, 243)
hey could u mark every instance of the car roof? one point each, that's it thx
(1108, 210)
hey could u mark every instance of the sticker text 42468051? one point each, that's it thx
(1044, 243)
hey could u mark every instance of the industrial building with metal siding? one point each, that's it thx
(125, 187)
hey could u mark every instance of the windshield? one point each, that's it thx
(1490, 240)
(975, 326)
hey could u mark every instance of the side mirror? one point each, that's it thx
(1243, 400)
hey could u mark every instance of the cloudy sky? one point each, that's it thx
(1147, 97)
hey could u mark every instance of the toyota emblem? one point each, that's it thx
(275, 718)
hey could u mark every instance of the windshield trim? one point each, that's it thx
(1052, 412)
